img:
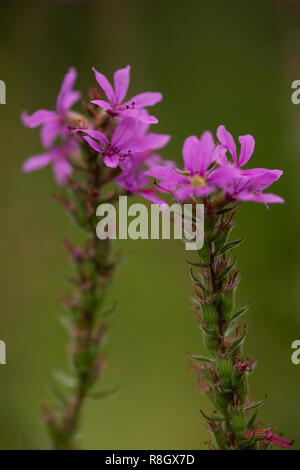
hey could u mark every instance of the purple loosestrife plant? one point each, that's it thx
(88, 152)
(214, 175)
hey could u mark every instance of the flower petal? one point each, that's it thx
(140, 115)
(224, 177)
(121, 82)
(62, 170)
(105, 85)
(38, 118)
(167, 174)
(112, 161)
(67, 97)
(95, 145)
(49, 132)
(247, 148)
(145, 99)
(190, 153)
(124, 132)
(261, 178)
(95, 135)
(227, 140)
(156, 141)
(265, 198)
(205, 155)
(183, 192)
(36, 162)
(103, 104)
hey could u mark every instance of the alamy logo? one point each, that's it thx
(187, 221)
(2, 352)
(2, 92)
(296, 354)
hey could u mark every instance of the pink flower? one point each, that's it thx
(133, 177)
(117, 105)
(54, 122)
(248, 185)
(199, 173)
(58, 157)
(245, 185)
(284, 443)
(127, 139)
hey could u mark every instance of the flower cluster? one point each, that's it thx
(208, 169)
(54, 124)
(130, 146)
(125, 143)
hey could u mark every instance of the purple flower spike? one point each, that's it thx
(53, 123)
(116, 105)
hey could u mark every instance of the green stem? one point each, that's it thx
(223, 376)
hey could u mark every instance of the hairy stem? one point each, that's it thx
(223, 376)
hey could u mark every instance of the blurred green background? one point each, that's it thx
(216, 63)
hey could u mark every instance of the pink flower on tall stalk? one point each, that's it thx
(117, 105)
(199, 173)
(53, 123)
(127, 139)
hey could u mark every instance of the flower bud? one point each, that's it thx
(225, 369)
(238, 423)
(221, 401)
(242, 391)
(228, 304)
(211, 342)
(210, 316)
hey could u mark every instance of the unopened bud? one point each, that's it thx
(221, 401)
(228, 304)
(225, 369)
(242, 391)
(211, 342)
(210, 316)
(238, 423)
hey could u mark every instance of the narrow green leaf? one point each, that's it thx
(230, 246)
(210, 418)
(226, 271)
(251, 421)
(240, 312)
(110, 311)
(205, 253)
(65, 379)
(197, 281)
(236, 343)
(104, 393)
(197, 265)
(202, 358)
(256, 404)
(227, 209)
